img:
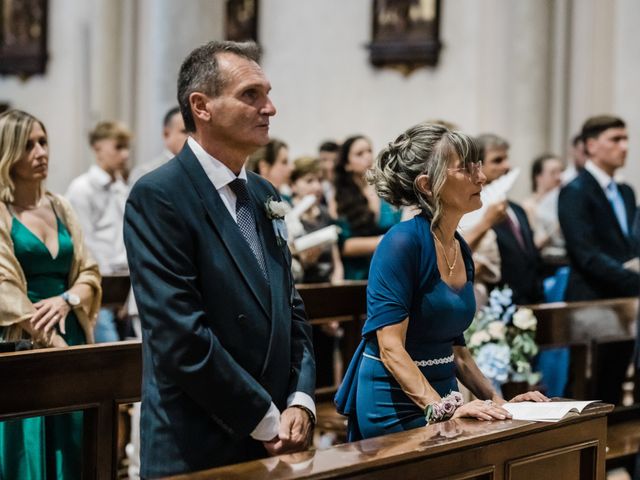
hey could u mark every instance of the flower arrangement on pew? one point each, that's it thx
(501, 339)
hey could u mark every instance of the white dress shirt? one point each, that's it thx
(602, 177)
(99, 201)
(221, 176)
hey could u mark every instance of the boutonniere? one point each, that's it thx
(276, 212)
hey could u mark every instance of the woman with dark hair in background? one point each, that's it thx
(362, 215)
(49, 292)
(272, 162)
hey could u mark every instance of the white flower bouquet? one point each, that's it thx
(501, 339)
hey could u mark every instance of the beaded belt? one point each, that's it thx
(421, 363)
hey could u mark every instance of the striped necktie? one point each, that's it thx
(247, 222)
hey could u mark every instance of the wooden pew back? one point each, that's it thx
(91, 378)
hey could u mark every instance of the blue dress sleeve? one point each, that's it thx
(393, 278)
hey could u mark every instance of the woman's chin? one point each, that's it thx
(475, 203)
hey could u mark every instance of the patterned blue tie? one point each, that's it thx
(247, 222)
(615, 199)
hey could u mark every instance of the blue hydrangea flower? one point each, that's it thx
(493, 361)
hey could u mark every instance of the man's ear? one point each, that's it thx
(587, 142)
(422, 182)
(200, 107)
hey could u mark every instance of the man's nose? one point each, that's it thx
(269, 108)
(624, 145)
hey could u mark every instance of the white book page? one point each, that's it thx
(544, 411)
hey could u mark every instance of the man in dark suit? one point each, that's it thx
(228, 369)
(596, 215)
(520, 260)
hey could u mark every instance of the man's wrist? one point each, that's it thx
(312, 417)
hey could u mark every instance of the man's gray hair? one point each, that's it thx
(491, 141)
(200, 73)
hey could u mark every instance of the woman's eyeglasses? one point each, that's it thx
(470, 169)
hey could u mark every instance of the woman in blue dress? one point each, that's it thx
(420, 293)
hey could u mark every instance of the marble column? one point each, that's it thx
(167, 32)
(514, 93)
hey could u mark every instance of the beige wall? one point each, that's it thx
(530, 70)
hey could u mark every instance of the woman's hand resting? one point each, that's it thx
(534, 396)
(49, 313)
(482, 410)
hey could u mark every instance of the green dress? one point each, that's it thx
(44, 447)
(357, 268)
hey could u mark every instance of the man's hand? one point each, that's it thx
(295, 433)
(496, 212)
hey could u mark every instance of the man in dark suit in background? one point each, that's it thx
(520, 260)
(228, 369)
(596, 215)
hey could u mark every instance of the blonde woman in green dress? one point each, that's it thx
(49, 293)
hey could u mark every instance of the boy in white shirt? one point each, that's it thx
(98, 197)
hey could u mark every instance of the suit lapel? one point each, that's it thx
(274, 255)
(630, 208)
(226, 228)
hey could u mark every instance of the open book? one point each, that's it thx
(545, 411)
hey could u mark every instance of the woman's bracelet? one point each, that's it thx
(443, 410)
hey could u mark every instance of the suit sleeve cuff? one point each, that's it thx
(302, 399)
(269, 426)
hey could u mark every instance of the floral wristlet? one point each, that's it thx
(439, 411)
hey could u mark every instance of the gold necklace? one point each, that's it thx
(450, 266)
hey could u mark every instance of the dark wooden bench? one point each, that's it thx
(115, 290)
(611, 358)
(345, 303)
(35, 383)
(456, 449)
(93, 378)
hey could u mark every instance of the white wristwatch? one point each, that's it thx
(72, 299)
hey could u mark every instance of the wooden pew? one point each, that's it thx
(110, 373)
(456, 449)
(554, 329)
(345, 303)
(97, 378)
(92, 378)
(115, 290)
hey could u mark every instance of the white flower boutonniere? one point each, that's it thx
(276, 212)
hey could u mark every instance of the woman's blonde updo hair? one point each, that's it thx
(423, 149)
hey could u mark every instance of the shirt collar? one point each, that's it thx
(219, 174)
(600, 175)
